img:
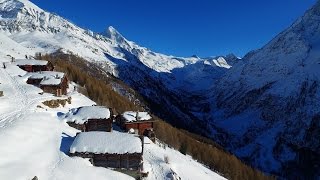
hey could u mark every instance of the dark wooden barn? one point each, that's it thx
(32, 65)
(90, 118)
(50, 82)
(141, 122)
(109, 149)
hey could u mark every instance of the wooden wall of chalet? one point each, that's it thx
(140, 126)
(94, 125)
(35, 82)
(27, 68)
(119, 161)
(37, 68)
(58, 90)
(53, 89)
(99, 125)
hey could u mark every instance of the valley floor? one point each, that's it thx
(34, 142)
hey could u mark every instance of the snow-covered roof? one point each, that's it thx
(83, 114)
(48, 77)
(131, 116)
(23, 62)
(106, 143)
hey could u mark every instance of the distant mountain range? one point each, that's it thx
(263, 107)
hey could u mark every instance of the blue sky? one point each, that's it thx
(185, 27)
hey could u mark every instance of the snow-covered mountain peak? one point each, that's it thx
(277, 86)
(24, 16)
(17, 6)
(114, 35)
(195, 56)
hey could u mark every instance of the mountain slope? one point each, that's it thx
(169, 83)
(264, 108)
(35, 142)
(271, 102)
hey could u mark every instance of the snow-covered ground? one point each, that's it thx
(34, 141)
(178, 166)
(31, 137)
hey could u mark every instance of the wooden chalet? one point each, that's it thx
(50, 82)
(140, 122)
(90, 118)
(109, 149)
(32, 65)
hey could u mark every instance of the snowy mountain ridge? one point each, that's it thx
(271, 102)
(161, 78)
(19, 18)
(263, 108)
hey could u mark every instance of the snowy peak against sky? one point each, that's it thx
(13, 7)
(24, 16)
(114, 35)
(277, 86)
(50, 32)
(46, 32)
(295, 49)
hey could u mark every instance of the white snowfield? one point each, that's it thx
(31, 138)
(131, 116)
(83, 114)
(106, 143)
(34, 142)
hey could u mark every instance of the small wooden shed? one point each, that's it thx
(140, 122)
(32, 65)
(50, 82)
(90, 118)
(109, 149)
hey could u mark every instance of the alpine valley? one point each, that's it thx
(264, 107)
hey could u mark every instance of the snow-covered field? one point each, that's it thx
(34, 142)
